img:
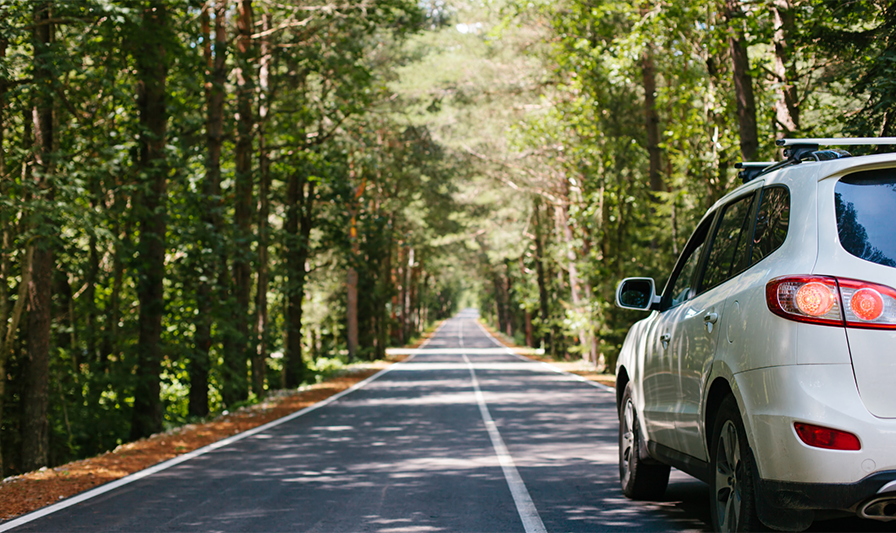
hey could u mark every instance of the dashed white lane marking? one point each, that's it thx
(524, 505)
(136, 476)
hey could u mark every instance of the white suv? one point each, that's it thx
(767, 367)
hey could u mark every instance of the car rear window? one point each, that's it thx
(866, 209)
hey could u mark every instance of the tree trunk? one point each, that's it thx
(264, 184)
(216, 77)
(299, 219)
(35, 401)
(543, 302)
(530, 339)
(150, 268)
(351, 285)
(651, 120)
(93, 270)
(743, 81)
(413, 294)
(563, 216)
(589, 297)
(787, 113)
(402, 288)
(110, 343)
(407, 282)
(385, 287)
(8, 333)
(505, 298)
(236, 387)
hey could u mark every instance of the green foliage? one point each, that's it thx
(493, 155)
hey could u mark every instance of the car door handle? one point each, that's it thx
(665, 338)
(711, 318)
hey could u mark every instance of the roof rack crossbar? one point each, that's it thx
(797, 150)
(752, 169)
(838, 141)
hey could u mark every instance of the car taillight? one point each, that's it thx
(868, 305)
(832, 301)
(805, 298)
(828, 438)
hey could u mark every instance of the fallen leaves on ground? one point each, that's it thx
(29, 492)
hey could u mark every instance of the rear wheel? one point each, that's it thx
(732, 496)
(640, 480)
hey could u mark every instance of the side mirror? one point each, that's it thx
(638, 294)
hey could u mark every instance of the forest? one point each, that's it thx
(202, 201)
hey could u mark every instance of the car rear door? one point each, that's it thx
(696, 325)
(857, 214)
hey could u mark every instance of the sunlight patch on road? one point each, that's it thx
(497, 365)
(446, 351)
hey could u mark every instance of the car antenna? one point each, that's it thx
(798, 150)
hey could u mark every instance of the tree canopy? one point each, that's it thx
(205, 200)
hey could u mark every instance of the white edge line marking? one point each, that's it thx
(136, 476)
(551, 367)
(524, 506)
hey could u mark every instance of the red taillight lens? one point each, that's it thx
(814, 299)
(827, 438)
(867, 304)
(805, 298)
(832, 301)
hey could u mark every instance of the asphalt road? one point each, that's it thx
(462, 437)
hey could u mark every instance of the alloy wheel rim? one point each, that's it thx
(729, 473)
(628, 437)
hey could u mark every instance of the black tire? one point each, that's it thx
(640, 480)
(732, 499)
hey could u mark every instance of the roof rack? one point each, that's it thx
(751, 169)
(798, 150)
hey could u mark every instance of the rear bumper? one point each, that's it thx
(791, 506)
(823, 496)
(774, 398)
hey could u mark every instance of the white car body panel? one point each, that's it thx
(780, 371)
(826, 396)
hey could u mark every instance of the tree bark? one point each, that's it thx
(150, 268)
(35, 401)
(530, 339)
(299, 219)
(505, 300)
(743, 81)
(264, 184)
(9, 332)
(407, 282)
(543, 302)
(351, 285)
(216, 77)
(93, 270)
(651, 121)
(402, 289)
(787, 113)
(236, 387)
(385, 287)
(5, 230)
(563, 216)
(110, 344)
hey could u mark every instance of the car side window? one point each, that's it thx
(772, 222)
(682, 282)
(731, 244)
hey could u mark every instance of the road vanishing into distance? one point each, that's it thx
(462, 437)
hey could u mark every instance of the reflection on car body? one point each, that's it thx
(765, 367)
